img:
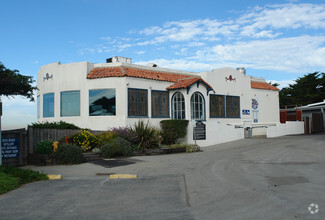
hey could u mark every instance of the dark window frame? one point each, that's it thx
(138, 108)
(216, 106)
(161, 93)
(227, 108)
(232, 106)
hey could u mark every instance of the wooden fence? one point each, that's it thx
(36, 135)
(29, 139)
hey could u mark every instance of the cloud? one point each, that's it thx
(293, 54)
(287, 16)
(84, 51)
(180, 64)
(140, 52)
(283, 83)
(283, 37)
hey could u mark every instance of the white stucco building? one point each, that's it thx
(118, 93)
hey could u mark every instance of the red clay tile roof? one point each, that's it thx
(263, 85)
(180, 80)
(186, 82)
(103, 72)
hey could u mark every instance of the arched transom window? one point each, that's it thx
(178, 105)
(197, 106)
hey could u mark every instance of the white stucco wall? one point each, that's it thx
(73, 76)
(216, 133)
(289, 128)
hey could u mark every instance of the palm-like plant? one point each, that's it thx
(147, 136)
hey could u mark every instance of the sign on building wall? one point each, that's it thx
(246, 112)
(255, 110)
(10, 147)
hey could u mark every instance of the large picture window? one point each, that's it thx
(160, 104)
(232, 106)
(137, 102)
(217, 106)
(178, 105)
(197, 106)
(102, 102)
(70, 103)
(48, 105)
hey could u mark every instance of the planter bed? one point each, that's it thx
(42, 160)
(159, 151)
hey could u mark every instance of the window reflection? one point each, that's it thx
(102, 102)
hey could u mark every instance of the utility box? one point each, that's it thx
(248, 132)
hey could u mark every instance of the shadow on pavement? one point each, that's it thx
(114, 162)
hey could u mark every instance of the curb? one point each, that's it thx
(123, 176)
(54, 177)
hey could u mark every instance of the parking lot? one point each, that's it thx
(280, 178)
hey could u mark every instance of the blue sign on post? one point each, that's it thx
(10, 147)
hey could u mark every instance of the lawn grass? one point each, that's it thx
(12, 177)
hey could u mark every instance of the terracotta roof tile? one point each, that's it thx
(184, 83)
(103, 72)
(180, 80)
(263, 85)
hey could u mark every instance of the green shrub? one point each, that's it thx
(54, 125)
(7, 183)
(147, 136)
(24, 175)
(118, 147)
(86, 140)
(69, 154)
(106, 137)
(173, 129)
(44, 147)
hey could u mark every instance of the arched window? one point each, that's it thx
(197, 106)
(178, 105)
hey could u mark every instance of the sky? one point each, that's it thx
(279, 40)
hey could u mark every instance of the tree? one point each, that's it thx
(13, 83)
(308, 89)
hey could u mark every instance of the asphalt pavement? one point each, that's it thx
(279, 178)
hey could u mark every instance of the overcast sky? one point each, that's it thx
(280, 41)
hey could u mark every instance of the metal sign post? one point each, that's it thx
(193, 125)
(0, 132)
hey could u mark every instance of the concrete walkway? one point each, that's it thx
(249, 179)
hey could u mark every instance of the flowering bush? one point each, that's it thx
(125, 133)
(86, 140)
(106, 137)
(122, 132)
